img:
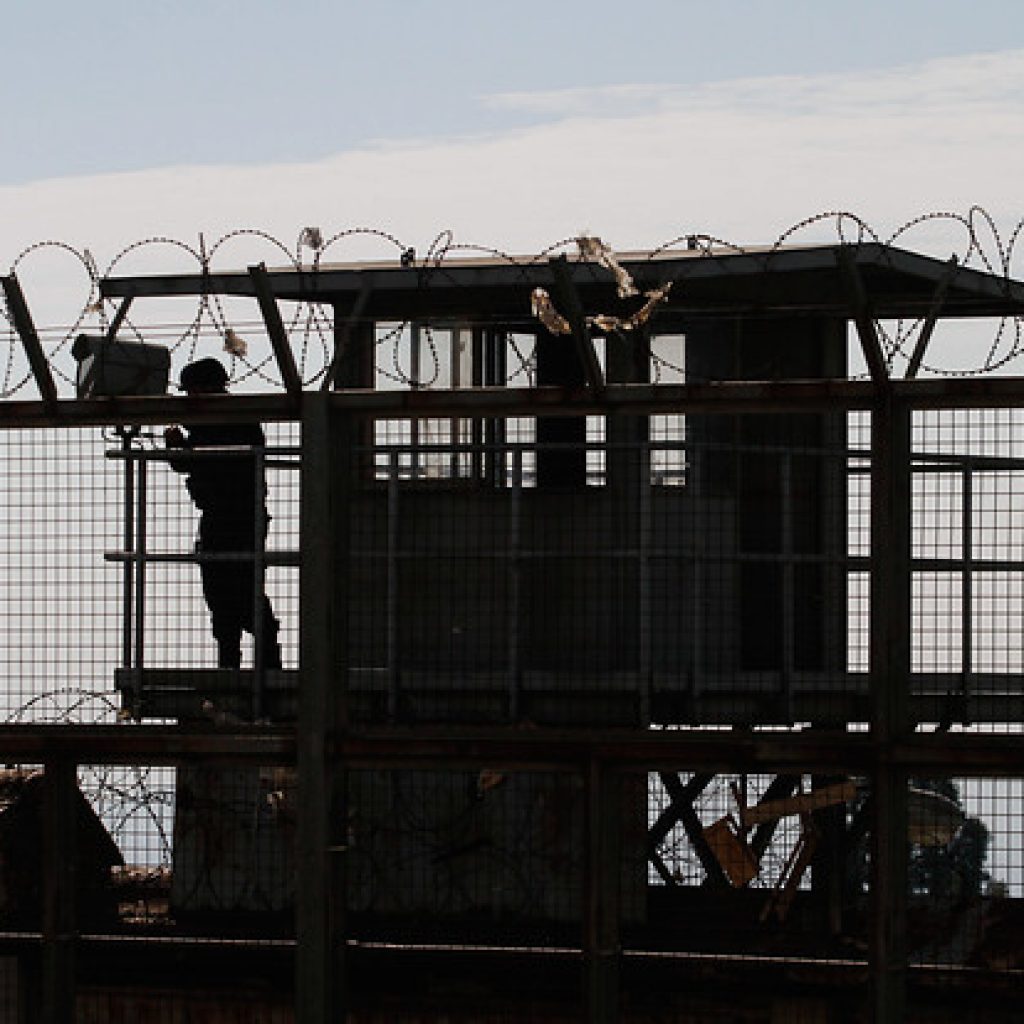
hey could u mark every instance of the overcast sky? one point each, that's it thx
(513, 125)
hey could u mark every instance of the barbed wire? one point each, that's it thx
(975, 238)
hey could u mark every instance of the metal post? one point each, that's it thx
(601, 909)
(59, 893)
(890, 618)
(788, 586)
(393, 667)
(643, 483)
(415, 370)
(140, 581)
(129, 547)
(695, 481)
(967, 588)
(515, 672)
(258, 584)
(327, 462)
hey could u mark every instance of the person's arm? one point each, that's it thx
(176, 440)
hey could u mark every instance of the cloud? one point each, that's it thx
(741, 160)
(951, 82)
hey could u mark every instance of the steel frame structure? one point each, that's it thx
(324, 744)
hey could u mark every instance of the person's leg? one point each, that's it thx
(219, 589)
(269, 626)
(269, 629)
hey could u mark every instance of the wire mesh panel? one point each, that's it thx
(60, 603)
(968, 484)
(761, 864)
(717, 595)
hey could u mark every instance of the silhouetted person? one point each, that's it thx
(232, 506)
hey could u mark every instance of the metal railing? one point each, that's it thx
(136, 556)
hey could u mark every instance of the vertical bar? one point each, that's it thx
(695, 480)
(455, 376)
(129, 549)
(478, 376)
(351, 366)
(601, 906)
(394, 669)
(414, 375)
(327, 462)
(515, 672)
(495, 429)
(258, 584)
(967, 585)
(643, 483)
(890, 618)
(59, 892)
(140, 580)
(788, 587)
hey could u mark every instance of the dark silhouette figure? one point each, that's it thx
(233, 517)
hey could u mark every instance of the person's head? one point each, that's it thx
(203, 377)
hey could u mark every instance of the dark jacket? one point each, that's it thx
(222, 484)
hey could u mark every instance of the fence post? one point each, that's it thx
(320, 884)
(59, 892)
(890, 666)
(601, 953)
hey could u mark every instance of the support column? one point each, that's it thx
(565, 464)
(601, 950)
(327, 462)
(890, 620)
(59, 893)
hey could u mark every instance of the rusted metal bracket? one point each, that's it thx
(569, 301)
(930, 320)
(862, 318)
(345, 334)
(275, 329)
(22, 318)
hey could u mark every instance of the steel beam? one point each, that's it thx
(601, 940)
(544, 749)
(683, 802)
(119, 318)
(889, 670)
(344, 357)
(146, 744)
(327, 436)
(60, 894)
(275, 330)
(569, 300)
(741, 397)
(22, 318)
(928, 327)
(722, 281)
(863, 317)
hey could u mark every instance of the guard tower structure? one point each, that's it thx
(595, 575)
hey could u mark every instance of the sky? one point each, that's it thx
(511, 125)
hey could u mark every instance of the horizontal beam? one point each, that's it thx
(988, 754)
(722, 279)
(150, 744)
(769, 397)
(718, 751)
